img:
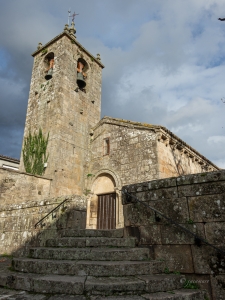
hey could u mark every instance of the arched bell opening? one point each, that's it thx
(82, 68)
(104, 209)
(49, 64)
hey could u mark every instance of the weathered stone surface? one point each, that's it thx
(66, 242)
(66, 115)
(110, 285)
(138, 215)
(24, 296)
(114, 242)
(67, 297)
(177, 294)
(59, 284)
(92, 268)
(159, 194)
(162, 283)
(177, 257)
(208, 188)
(125, 297)
(17, 187)
(117, 233)
(201, 177)
(172, 234)
(207, 261)
(215, 232)
(175, 209)
(150, 235)
(117, 268)
(202, 281)
(6, 293)
(91, 242)
(42, 266)
(18, 232)
(90, 253)
(207, 208)
(218, 287)
(150, 185)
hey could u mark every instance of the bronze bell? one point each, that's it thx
(80, 80)
(49, 74)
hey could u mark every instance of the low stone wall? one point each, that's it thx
(17, 231)
(197, 202)
(17, 187)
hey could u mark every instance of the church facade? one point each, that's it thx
(89, 155)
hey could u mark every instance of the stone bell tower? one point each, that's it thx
(64, 101)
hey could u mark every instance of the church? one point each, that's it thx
(73, 228)
(89, 155)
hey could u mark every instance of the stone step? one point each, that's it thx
(162, 282)
(182, 294)
(115, 233)
(143, 283)
(82, 242)
(66, 287)
(28, 296)
(57, 284)
(90, 253)
(172, 295)
(77, 285)
(91, 268)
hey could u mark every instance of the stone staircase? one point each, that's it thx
(94, 264)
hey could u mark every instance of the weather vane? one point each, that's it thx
(73, 16)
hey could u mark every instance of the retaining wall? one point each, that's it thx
(17, 187)
(17, 222)
(197, 202)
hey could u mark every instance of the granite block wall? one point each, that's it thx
(197, 202)
(17, 222)
(17, 187)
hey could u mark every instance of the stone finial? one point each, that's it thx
(66, 27)
(39, 45)
(72, 29)
(98, 57)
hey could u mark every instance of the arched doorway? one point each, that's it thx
(104, 207)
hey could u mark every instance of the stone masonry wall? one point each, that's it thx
(197, 202)
(17, 187)
(17, 231)
(132, 156)
(67, 115)
(175, 158)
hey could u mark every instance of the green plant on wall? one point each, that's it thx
(34, 153)
(44, 51)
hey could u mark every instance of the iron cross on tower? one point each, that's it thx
(73, 16)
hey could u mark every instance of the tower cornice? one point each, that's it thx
(72, 38)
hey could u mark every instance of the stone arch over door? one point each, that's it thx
(105, 182)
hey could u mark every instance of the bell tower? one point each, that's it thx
(64, 102)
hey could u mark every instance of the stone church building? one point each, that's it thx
(89, 155)
(177, 226)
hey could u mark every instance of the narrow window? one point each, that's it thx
(106, 146)
(49, 63)
(82, 68)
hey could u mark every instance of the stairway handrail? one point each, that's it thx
(198, 239)
(57, 207)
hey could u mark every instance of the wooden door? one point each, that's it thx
(106, 211)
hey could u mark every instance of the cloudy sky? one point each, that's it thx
(164, 63)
